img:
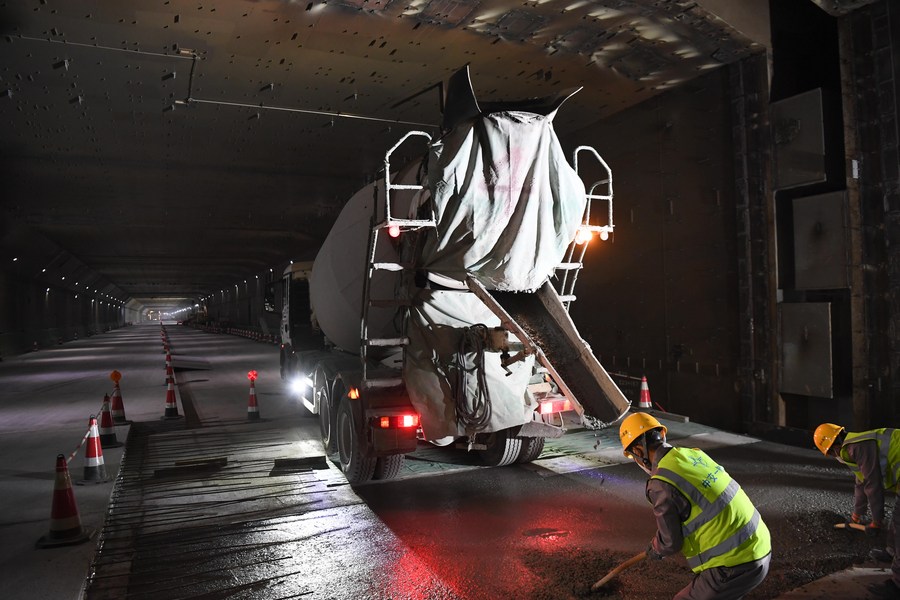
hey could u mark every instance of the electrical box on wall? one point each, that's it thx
(820, 242)
(798, 131)
(806, 355)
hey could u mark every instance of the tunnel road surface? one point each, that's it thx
(212, 505)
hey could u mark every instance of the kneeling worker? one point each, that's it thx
(874, 458)
(701, 511)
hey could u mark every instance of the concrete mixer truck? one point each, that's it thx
(437, 307)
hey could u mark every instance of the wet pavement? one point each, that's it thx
(212, 505)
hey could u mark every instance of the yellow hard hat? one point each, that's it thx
(825, 435)
(636, 425)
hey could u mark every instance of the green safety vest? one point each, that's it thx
(888, 441)
(724, 529)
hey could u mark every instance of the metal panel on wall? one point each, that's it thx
(799, 135)
(820, 242)
(806, 349)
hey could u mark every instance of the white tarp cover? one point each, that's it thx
(437, 321)
(506, 200)
(507, 205)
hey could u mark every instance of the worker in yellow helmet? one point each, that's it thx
(701, 512)
(874, 458)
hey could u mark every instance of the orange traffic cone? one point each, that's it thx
(117, 407)
(94, 467)
(171, 406)
(644, 401)
(252, 408)
(65, 524)
(107, 430)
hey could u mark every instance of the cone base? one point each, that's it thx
(122, 421)
(113, 444)
(92, 481)
(253, 416)
(49, 541)
(169, 417)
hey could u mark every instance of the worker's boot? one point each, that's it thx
(881, 555)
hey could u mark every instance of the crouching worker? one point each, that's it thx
(874, 458)
(701, 511)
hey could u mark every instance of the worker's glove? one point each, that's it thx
(873, 528)
(652, 554)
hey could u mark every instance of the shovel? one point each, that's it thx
(606, 578)
(858, 526)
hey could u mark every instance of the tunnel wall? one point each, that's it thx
(31, 317)
(48, 297)
(660, 298)
(870, 51)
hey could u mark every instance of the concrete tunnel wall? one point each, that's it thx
(34, 315)
(49, 297)
(659, 298)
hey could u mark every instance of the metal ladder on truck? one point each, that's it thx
(574, 260)
(382, 227)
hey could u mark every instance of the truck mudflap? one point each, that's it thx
(541, 323)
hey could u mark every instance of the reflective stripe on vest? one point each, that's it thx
(710, 539)
(887, 441)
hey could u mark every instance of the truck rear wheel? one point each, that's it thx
(323, 399)
(503, 449)
(387, 467)
(531, 449)
(356, 467)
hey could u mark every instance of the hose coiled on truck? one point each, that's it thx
(475, 415)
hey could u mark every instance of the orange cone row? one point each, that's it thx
(94, 466)
(252, 407)
(117, 407)
(65, 524)
(171, 405)
(107, 431)
(644, 400)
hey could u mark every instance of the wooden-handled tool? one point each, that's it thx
(631, 561)
(859, 526)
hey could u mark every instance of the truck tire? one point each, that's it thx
(322, 394)
(357, 468)
(503, 449)
(387, 467)
(531, 449)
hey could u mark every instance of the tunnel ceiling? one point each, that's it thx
(173, 148)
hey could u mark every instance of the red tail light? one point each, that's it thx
(399, 422)
(549, 407)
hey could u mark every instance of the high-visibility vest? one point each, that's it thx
(888, 442)
(724, 529)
